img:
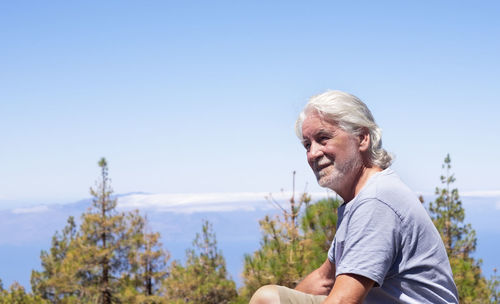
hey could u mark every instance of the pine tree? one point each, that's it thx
(280, 260)
(319, 224)
(204, 278)
(55, 282)
(494, 287)
(17, 295)
(286, 256)
(289, 251)
(99, 247)
(109, 258)
(152, 261)
(459, 239)
(147, 260)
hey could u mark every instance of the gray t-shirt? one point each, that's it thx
(386, 235)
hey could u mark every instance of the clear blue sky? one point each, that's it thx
(184, 96)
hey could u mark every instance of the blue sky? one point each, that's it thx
(195, 97)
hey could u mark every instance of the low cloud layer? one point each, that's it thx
(206, 202)
(35, 209)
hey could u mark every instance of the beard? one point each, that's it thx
(339, 175)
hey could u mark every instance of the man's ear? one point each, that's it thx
(364, 140)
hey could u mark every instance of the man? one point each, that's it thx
(386, 248)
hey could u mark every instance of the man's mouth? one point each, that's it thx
(322, 164)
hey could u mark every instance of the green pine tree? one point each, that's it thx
(290, 251)
(204, 278)
(494, 286)
(17, 295)
(319, 224)
(147, 260)
(459, 239)
(152, 260)
(56, 282)
(100, 247)
(109, 258)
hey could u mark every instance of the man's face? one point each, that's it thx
(332, 153)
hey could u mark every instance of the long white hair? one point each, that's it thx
(353, 116)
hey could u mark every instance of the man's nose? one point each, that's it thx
(314, 151)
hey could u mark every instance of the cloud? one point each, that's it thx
(488, 193)
(36, 209)
(201, 202)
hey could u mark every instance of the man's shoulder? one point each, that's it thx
(387, 188)
(385, 184)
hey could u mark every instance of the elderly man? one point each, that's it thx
(386, 248)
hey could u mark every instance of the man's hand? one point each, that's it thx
(349, 289)
(320, 281)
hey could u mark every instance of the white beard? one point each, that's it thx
(339, 176)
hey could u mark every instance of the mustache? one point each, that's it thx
(322, 162)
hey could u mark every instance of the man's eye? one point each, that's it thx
(307, 146)
(323, 139)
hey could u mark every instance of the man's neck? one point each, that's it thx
(363, 176)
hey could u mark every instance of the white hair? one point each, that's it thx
(350, 114)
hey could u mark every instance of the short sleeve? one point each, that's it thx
(331, 252)
(372, 241)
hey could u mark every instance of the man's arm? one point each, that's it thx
(320, 281)
(349, 289)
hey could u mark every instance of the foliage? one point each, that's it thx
(147, 260)
(114, 257)
(289, 252)
(494, 287)
(203, 280)
(54, 282)
(17, 294)
(99, 246)
(459, 239)
(110, 258)
(319, 224)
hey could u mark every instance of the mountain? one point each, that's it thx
(25, 231)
